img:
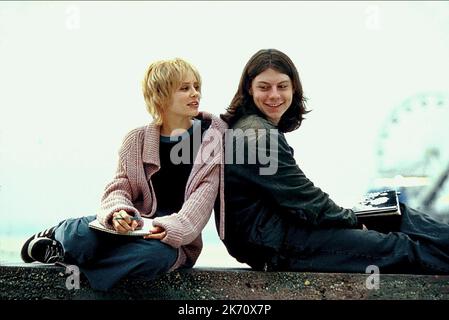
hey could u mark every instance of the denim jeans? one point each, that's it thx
(106, 258)
(421, 246)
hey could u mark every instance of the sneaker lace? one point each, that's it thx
(52, 254)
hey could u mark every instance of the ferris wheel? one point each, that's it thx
(413, 151)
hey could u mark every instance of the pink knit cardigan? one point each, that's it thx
(131, 189)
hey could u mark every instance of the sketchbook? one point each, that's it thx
(147, 225)
(377, 204)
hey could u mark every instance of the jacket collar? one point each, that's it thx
(151, 141)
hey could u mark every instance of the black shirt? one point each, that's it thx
(177, 155)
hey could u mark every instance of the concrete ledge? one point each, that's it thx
(37, 282)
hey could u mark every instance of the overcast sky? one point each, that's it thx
(70, 84)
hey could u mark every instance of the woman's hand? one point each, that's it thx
(157, 233)
(123, 222)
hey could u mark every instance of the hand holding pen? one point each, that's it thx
(123, 222)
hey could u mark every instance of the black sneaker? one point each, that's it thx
(42, 247)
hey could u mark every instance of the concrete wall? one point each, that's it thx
(37, 282)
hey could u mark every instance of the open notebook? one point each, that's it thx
(147, 225)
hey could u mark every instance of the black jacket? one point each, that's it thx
(261, 206)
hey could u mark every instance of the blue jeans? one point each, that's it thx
(420, 246)
(106, 258)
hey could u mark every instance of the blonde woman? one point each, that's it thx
(170, 170)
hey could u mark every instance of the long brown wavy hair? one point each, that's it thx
(243, 103)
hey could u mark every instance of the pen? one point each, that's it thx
(132, 218)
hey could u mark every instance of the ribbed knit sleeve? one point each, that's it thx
(118, 193)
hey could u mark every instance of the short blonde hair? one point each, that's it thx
(161, 80)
